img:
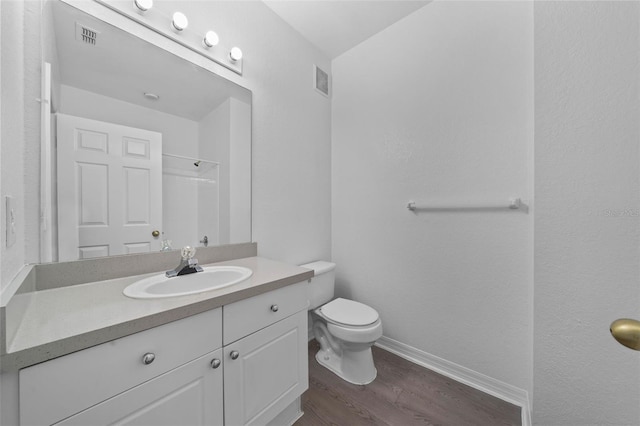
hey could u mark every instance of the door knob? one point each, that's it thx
(234, 354)
(215, 363)
(155, 233)
(626, 332)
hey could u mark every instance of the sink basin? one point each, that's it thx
(211, 278)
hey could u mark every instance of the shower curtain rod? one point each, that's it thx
(182, 157)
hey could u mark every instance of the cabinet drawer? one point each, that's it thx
(250, 315)
(56, 389)
(189, 395)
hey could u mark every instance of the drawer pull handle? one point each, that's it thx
(274, 308)
(234, 354)
(215, 363)
(148, 358)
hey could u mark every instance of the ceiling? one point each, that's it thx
(335, 26)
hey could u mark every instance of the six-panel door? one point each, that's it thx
(109, 188)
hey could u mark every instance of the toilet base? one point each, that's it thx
(352, 366)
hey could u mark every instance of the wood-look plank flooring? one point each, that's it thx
(403, 394)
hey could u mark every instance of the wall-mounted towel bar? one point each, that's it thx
(513, 204)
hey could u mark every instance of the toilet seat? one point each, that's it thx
(361, 334)
(349, 313)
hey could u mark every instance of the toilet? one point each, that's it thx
(345, 329)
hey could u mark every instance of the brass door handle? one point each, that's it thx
(626, 332)
(155, 233)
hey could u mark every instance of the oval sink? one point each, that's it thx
(211, 278)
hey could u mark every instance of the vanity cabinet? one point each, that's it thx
(240, 364)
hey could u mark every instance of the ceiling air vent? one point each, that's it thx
(86, 34)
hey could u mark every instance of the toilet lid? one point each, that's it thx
(349, 312)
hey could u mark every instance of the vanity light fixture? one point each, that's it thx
(235, 54)
(143, 5)
(179, 22)
(210, 39)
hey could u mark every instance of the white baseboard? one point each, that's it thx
(461, 374)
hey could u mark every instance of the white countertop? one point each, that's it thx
(67, 319)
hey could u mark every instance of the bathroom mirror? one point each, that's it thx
(144, 150)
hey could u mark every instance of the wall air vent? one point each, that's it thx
(321, 80)
(86, 35)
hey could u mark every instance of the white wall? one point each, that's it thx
(20, 87)
(439, 107)
(587, 71)
(12, 128)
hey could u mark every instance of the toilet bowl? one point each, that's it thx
(345, 329)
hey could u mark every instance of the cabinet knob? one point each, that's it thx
(215, 363)
(148, 358)
(234, 354)
(274, 308)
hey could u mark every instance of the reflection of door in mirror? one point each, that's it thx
(109, 188)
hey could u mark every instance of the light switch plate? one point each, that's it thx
(10, 214)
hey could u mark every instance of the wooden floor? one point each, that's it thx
(402, 394)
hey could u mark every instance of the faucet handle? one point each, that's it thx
(188, 252)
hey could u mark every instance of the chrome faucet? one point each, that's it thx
(188, 264)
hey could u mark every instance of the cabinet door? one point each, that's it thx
(189, 395)
(265, 371)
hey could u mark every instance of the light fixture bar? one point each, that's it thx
(163, 23)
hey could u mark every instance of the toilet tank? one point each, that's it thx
(322, 284)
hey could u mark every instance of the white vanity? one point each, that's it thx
(232, 356)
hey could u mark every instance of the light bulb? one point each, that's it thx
(235, 54)
(143, 5)
(210, 39)
(180, 21)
